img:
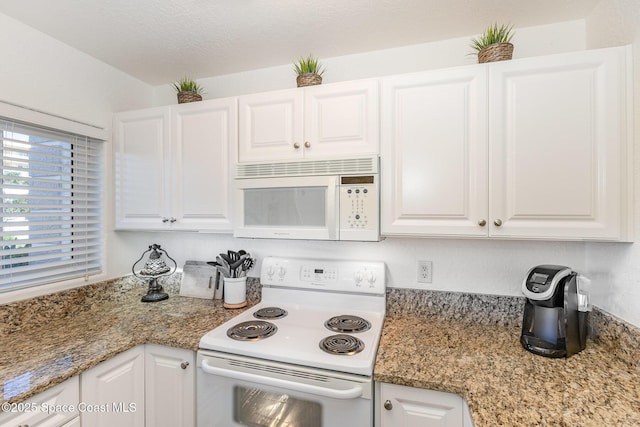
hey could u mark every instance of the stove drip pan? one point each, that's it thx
(252, 330)
(270, 313)
(342, 344)
(347, 323)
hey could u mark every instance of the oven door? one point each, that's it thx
(240, 391)
(303, 207)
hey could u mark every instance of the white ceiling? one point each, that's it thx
(159, 41)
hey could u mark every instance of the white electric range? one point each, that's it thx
(304, 355)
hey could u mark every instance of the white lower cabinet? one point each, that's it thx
(113, 391)
(170, 386)
(148, 385)
(55, 407)
(73, 423)
(401, 406)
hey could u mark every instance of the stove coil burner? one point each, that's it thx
(270, 313)
(342, 344)
(252, 330)
(347, 323)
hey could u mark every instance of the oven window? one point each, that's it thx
(258, 408)
(285, 207)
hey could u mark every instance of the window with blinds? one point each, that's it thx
(51, 205)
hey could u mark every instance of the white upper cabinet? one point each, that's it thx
(532, 148)
(141, 142)
(324, 121)
(173, 166)
(559, 147)
(434, 152)
(341, 119)
(204, 141)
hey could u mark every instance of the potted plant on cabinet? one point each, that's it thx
(188, 90)
(309, 71)
(494, 44)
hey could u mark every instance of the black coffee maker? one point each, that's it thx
(555, 313)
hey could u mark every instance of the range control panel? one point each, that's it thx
(333, 275)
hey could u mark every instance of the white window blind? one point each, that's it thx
(51, 205)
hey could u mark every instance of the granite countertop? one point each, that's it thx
(505, 385)
(63, 340)
(472, 351)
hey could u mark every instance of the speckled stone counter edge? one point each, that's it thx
(15, 315)
(619, 337)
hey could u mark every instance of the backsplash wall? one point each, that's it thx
(475, 266)
(617, 23)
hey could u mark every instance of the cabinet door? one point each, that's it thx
(114, 390)
(170, 386)
(434, 153)
(142, 169)
(203, 154)
(558, 146)
(270, 126)
(73, 423)
(407, 407)
(341, 119)
(62, 396)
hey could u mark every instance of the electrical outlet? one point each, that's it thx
(425, 271)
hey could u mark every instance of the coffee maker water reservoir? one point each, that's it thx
(555, 313)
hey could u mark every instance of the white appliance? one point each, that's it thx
(318, 199)
(304, 355)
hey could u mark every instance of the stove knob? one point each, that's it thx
(281, 272)
(371, 278)
(387, 405)
(271, 271)
(358, 278)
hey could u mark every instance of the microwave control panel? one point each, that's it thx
(359, 208)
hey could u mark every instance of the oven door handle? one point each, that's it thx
(349, 393)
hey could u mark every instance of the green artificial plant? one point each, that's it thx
(187, 84)
(492, 35)
(308, 65)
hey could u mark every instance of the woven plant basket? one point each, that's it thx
(308, 79)
(184, 97)
(496, 52)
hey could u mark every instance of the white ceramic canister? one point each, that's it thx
(235, 292)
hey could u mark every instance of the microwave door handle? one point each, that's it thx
(335, 393)
(333, 207)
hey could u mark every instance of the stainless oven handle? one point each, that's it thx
(350, 393)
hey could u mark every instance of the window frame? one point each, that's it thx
(52, 122)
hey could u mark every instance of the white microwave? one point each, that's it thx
(316, 200)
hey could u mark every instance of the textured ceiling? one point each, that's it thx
(158, 41)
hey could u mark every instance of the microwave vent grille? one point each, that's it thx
(352, 166)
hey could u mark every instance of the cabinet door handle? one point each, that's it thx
(307, 144)
(482, 223)
(165, 220)
(172, 220)
(498, 222)
(296, 145)
(387, 405)
(184, 365)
